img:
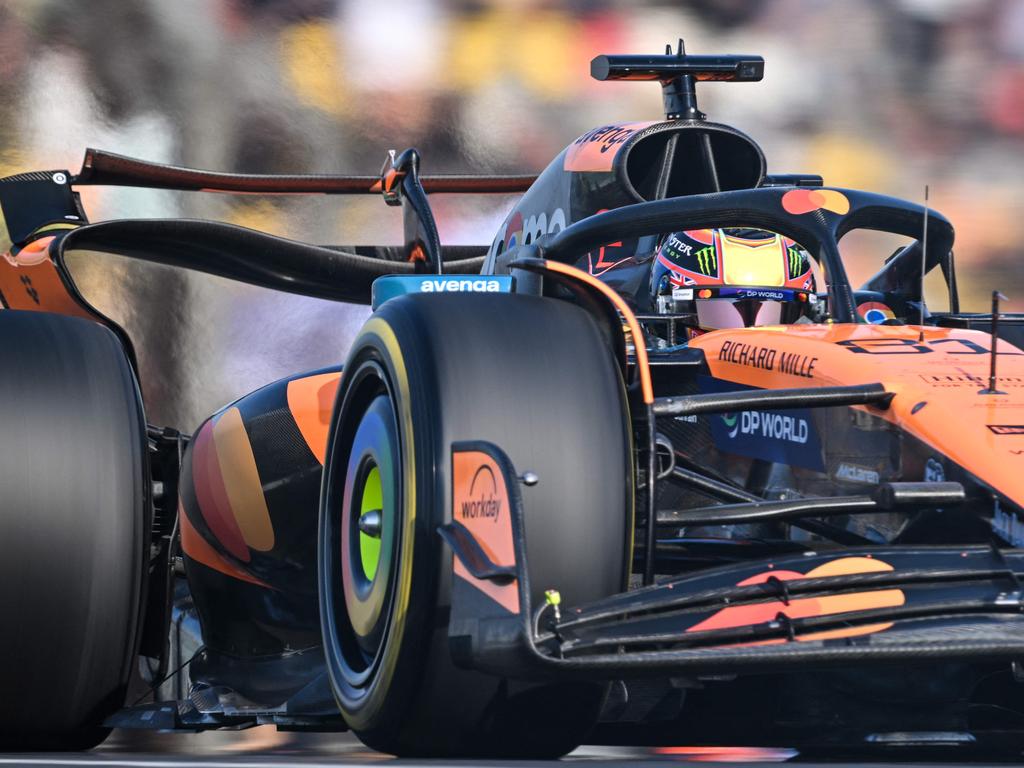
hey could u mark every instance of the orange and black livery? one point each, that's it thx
(647, 466)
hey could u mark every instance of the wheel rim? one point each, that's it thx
(362, 667)
(372, 502)
(369, 538)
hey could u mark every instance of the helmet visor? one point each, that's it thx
(714, 314)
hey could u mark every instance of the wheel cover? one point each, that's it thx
(363, 668)
(368, 558)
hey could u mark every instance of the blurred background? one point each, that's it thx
(888, 95)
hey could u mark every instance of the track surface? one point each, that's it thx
(266, 748)
(285, 761)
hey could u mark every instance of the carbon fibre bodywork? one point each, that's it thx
(250, 493)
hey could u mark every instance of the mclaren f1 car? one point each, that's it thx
(646, 469)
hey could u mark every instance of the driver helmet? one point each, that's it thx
(733, 278)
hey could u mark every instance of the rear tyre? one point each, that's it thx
(533, 376)
(72, 529)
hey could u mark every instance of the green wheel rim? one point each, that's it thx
(373, 499)
(369, 535)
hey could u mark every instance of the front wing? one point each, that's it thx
(833, 607)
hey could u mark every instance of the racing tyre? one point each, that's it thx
(535, 377)
(72, 529)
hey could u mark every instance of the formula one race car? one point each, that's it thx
(648, 469)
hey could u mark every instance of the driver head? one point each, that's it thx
(734, 278)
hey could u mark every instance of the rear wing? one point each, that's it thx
(45, 204)
(109, 169)
(399, 181)
(41, 218)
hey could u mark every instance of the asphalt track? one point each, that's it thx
(265, 748)
(96, 759)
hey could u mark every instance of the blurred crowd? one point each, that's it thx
(888, 95)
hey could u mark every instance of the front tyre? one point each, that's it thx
(534, 377)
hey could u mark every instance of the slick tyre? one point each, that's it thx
(534, 377)
(72, 529)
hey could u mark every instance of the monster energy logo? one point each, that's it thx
(796, 261)
(707, 261)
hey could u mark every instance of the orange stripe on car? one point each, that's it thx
(212, 496)
(759, 613)
(197, 548)
(29, 281)
(242, 480)
(642, 365)
(311, 402)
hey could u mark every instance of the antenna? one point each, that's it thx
(924, 261)
(991, 389)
